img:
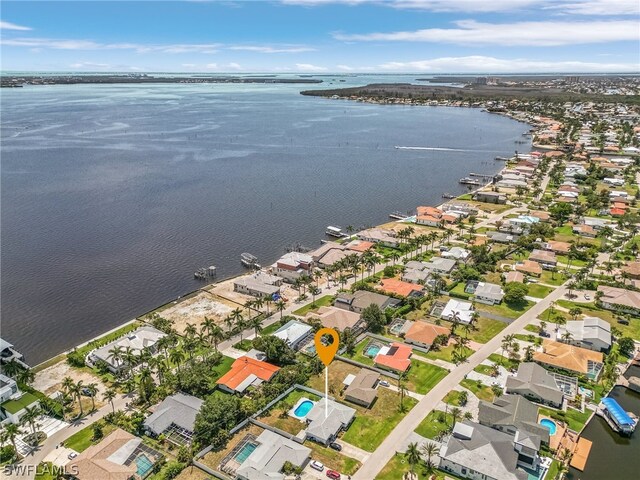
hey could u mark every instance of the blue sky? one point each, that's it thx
(431, 36)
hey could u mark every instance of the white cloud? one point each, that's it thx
(268, 49)
(12, 26)
(599, 7)
(90, 65)
(345, 68)
(484, 64)
(307, 67)
(70, 44)
(542, 33)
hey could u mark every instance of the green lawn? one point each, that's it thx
(83, 351)
(270, 329)
(359, 355)
(506, 310)
(445, 353)
(224, 367)
(371, 426)
(458, 291)
(552, 278)
(487, 328)
(589, 309)
(422, 376)
(553, 471)
(575, 419)
(532, 328)
(398, 466)
(574, 263)
(539, 291)
(480, 390)
(433, 424)
(504, 361)
(320, 302)
(82, 440)
(453, 398)
(484, 369)
(332, 459)
(526, 338)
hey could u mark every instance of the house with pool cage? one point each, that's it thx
(174, 418)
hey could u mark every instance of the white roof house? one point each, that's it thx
(489, 293)
(591, 332)
(294, 333)
(457, 253)
(143, 338)
(464, 310)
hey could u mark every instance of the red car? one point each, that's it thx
(333, 474)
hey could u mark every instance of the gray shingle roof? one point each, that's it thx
(533, 377)
(324, 427)
(273, 450)
(179, 409)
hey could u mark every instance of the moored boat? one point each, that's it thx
(248, 260)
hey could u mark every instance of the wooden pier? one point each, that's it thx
(581, 454)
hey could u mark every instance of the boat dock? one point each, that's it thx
(618, 419)
(581, 454)
(469, 181)
(398, 215)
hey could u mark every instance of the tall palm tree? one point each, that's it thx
(217, 335)
(176, 357)
(26, 376)
(116, 354)
(93, 390)
(68, 384)
(256, 324)
(280, 306)
(190, 330)
(413, 456)
(259, 303)
(77, 390)
(11, 431)
(207, 326)
(12, 368)
(456, 414)
(109, 395)
(507, 342)
(30, 416)
(313, 290)
(430, 449)
(395, 256)
(236, 316)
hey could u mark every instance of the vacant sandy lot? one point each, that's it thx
(50, 379)
(194, 309)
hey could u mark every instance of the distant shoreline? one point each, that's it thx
(17, 81)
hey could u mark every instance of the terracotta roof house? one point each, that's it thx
(529, 267)
(558, 247)
(536, 384)
(114, 458)
(361, 388)
(585, 230)
(395, 357)
(570, 358)
(423, 334)
(617, 212)
(544, 216)
(359, 246)
(398, 287)
(246, 372)
(514, 276)
(337, 318)
(632, 269)
(543, 257)
(619, 299)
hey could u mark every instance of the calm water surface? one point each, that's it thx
(613, 456)
(113, 195)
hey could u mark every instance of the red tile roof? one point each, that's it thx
(244, 367)
(397, 358)
(393, 285)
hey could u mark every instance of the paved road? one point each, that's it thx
(398, 436)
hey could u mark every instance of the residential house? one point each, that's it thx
(338, 319)
(590, 332)
(485, 292)
(462, 310)
(478, 452)
(619, 299)
(423, 334)
(294, 333)
(595, 222)
(529, 267)
(517, 416)
(174, 418)
(585, 230)
(545, 258)
(513, 276)
(246, 372)
(632, 270)
(536, 384)
(400, 288)
(439, 265)
(457, 253)
(561, 248)
(144, 338)
(13, 401)
(361, 388)
(490, 197)
(120, 456)
(292, 266)
(271, 451)
(259, 284)
(501, 237)
(415, 276)
(395, 357)
(361, 299)
(429, 216)
(8, 353)
(617, 182)
(573, 359)
(379, 236)
(324, 428)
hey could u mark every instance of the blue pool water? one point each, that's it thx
(373, 350)
(246, 450)
(550, 424)
(302, 409)
(144, 465)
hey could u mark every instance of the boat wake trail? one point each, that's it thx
(442, 149)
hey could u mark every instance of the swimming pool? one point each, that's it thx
(303, 408)
(372, 350)
(143, 465)
(246, 450)
(550, 424)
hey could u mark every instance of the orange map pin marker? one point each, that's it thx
(327, 352)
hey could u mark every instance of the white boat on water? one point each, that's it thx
(335, 232)
(248, 260)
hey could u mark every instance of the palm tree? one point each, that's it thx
(67, 385)
(93, 390)
(575, 312)
(207, 326)
(430, 449)
(77, 390)
(507, 342)
(456, 414)
(413, 456)
(395, 256)
(313, 290)
(116, 354)
(496, 389)
(217, 335)
(259, 303)
(176, 357)
(402, 389)
(268, 301)
(30, 416)
(12, 368)
(10, 432)
(280, 305)
(190, 330)
(26, 376)
(109, 395)
(256, 324)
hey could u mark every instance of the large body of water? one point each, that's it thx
(113, 195)
(613, 456)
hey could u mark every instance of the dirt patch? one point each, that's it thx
(50, 379)
(193, 310)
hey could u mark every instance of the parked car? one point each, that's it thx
(86, 392)
(587, 297)
(383, 383)
(333, 475)
(72, 455)
(316, 465)
(335, 446)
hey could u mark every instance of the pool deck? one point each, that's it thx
(581, 454)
